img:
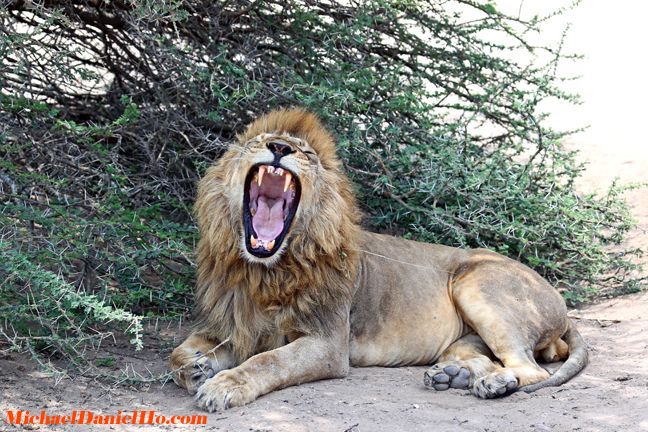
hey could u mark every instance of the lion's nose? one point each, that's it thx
(280, 149)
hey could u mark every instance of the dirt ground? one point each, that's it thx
(610, 395)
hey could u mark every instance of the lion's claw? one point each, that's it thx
(225, 390)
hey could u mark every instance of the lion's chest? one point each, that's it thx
(280, 325)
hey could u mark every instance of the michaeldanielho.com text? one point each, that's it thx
(85, 417)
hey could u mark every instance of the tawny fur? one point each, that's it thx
(333, 295)
(250, 303)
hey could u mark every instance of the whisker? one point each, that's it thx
(404, 262)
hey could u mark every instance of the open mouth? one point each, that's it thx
(270, 201)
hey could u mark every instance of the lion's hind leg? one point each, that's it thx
(508, 379)
(513, 345)
(520, 368)
(461, 364)
(516, 313)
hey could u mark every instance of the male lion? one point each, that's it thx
(291, 290)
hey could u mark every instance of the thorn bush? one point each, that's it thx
(110, 112)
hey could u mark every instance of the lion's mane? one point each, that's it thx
(256, 306)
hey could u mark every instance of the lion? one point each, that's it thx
(290, 289)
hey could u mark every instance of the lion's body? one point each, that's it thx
(402, 312)
(332, 295)
(409, 305)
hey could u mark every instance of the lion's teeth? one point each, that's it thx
(252, 211)
(270, 245)
(253, 241)
(260, 178)
(287, 181)
(279, 171)
(270, 170)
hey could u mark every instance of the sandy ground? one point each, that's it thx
(610, 395)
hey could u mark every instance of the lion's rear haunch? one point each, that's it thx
(291, 290)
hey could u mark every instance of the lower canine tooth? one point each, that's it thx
(270, 245)
(253, 242)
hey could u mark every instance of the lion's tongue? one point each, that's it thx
(268, 219)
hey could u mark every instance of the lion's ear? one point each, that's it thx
(299, 123)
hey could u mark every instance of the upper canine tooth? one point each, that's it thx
(260, 177)
(287, 180)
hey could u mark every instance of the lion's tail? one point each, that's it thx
(573, 365)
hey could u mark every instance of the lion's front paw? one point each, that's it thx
(201, 367)
(227, 389)
(199, 373)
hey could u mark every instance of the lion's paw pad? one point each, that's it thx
(495, 385)
(450, 376)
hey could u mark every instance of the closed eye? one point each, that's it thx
(309, 154)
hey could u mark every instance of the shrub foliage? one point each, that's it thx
(110, 111)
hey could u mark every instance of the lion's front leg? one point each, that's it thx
(306, 359)
(197, 359)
